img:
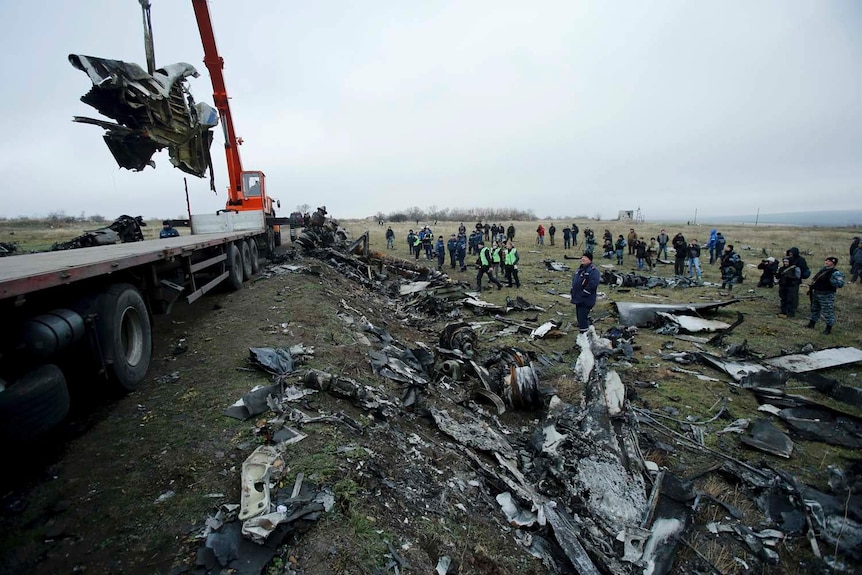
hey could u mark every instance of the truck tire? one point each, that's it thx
(34, 405)
(125, 335)
(234, 266)
(278, 238)
(246, 260)
(270, 242)
(255, 255)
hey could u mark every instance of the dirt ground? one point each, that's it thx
(127, 484)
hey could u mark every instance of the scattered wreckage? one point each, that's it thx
(571, 483)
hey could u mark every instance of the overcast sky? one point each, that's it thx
(566, 108)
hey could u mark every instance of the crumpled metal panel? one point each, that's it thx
(152, 111)
(644, 314)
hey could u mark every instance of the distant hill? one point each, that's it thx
(844, 218)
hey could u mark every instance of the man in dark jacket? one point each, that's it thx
(719, 246)
(788, 278)
(680, 247)
(822, 292)
(551, 232)
(452, 247)
(585, 284)
(575, 230)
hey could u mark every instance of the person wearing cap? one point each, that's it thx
(168, 231)
(789, 277)
(822, 290)
(770, 268)
(485, 267)
(585, 284)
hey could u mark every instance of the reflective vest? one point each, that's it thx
(485, 256)
(512, 257)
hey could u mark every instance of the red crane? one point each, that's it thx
(246, 189)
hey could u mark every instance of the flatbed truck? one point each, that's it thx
(92, 308)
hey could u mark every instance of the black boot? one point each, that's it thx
(811, 323)
(828, 330)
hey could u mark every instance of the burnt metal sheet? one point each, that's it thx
(644, 314)
(794, 363)
(768, 438)
(802, 362)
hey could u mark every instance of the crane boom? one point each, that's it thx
(245, 189)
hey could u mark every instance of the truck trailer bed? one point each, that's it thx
(27, 273)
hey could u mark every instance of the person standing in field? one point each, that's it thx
(694, 260)
(720, 242)
(632, 240)
(390, 238)
(567, 238)
(822, 290)
(510, 233)
(641, 253)
(680, 247)
(512, 260)
(856, 261)
(710, 245)
(585, 284)
(552, 232)
(452, 247)
(440, 250)
(789, 278)
(461, 252)
(651, 253)
(663, 239)
(540, 235)
(575, 231)
(619, 248)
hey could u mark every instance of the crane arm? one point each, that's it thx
(215, 64)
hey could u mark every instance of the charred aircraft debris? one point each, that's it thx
(122, 230)
(568, 482)
(152, 111)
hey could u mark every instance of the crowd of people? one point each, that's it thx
(497, 257)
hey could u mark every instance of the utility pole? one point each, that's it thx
(757, 217)
(695, 217)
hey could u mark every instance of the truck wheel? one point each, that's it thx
(35, 404)
(234, 263)
(278, 238)
(246, 260)
(125, 335)
(270, 242)
(255, 255)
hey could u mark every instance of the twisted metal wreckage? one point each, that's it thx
(574, 488)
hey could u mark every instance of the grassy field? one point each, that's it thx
(178, 429)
